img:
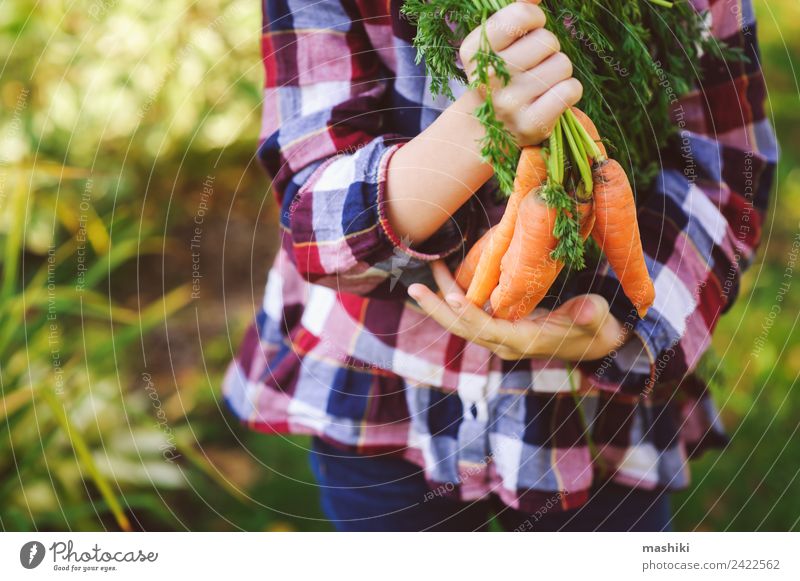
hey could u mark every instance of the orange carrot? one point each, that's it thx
(512, 264)
(587, 218)
(616, 231)
(466, 270)
(528, 270)
(531, 173)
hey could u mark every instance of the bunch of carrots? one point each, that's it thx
(568, 189)
(516, 262)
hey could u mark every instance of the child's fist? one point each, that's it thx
(541, 87)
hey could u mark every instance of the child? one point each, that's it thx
(427, 414)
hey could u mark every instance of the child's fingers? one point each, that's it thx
(506, 26)
(474, 323)
(548, 74)
(444, 278)
(480, 327)
(459, 316)
(433, 306)
(503, 28)
(530, 85)
(590, 317)
(585, 311)
(443, 313)
(548, 108)
(530, 50)
(577, 330)
(554, 336)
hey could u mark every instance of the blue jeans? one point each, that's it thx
(387, 493)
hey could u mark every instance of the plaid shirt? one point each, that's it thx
(339, 350)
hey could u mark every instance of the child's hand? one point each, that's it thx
(541, 86)
(581, 329)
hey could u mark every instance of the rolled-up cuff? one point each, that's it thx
(444, 242)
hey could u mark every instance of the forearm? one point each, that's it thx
(435, 173)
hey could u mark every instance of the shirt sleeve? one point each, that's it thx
(327, 140)
(701, 222)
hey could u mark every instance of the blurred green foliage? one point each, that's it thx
(755, 483)
(121, 124)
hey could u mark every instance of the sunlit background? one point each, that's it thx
(136, 229)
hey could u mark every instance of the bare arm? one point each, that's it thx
(436, 172)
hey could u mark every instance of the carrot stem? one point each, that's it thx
(566, 230)
(552, 157)
(591, 147)
(571, 121)
(561, 157)
(578, 154)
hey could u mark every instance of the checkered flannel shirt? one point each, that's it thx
(340, 351)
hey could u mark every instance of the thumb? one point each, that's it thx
(585, 310)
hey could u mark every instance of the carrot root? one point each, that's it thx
(466, 270)
(616, 231)
(527, 268)
(531, 172)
